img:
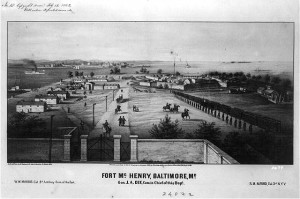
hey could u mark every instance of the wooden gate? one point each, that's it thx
(100, 149)
(125, 151)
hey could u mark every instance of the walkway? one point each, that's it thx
(112, 118)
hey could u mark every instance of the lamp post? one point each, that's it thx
(50, 141)
(106, 102)
(113, 95)
(94, 115)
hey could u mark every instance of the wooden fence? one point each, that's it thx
(224, 112)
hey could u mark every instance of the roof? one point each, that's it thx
(111, 85)
(45, 97)
(57, 92)
(30, 103)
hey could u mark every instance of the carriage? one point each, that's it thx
(135, 108)
(118, 109)
(120, 99)
(171, 109)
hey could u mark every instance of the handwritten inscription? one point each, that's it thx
(40, 7)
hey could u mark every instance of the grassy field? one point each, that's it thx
(253, 102)
(150, 105)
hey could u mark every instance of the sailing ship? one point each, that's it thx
(187, 65)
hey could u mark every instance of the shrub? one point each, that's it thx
(166, 129)
(207, 130)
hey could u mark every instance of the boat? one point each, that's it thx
(187, 65)
(34, 72)
(260, 70)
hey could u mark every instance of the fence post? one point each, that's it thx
(205, 158)
(133, 148)
(67, 148)
(250, 128)
(83, 151)
(244, 126)
(117, 148)
(235, 123)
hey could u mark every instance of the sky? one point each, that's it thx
(192, 41)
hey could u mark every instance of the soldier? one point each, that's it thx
(82, 124)
(120, 121)
(105, 124)
(123, 121)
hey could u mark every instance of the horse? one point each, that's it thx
(168, 106)
(185, 114)
(106, 130)
(175, 109)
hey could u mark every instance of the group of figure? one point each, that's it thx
(118, 109)
(122, 121)
(135, 108)
(171, 109)
(185, 113)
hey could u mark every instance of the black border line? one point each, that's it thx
(214, 22)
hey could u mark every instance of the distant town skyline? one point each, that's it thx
(153, 41)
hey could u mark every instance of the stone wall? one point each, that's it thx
(177, 150)
(170, 150)
(34, 150)
(212, 156)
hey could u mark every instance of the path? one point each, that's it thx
(112, 118)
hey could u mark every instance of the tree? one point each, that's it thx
(234, 145)
(258, 77)
(81, 74)
(76, 73)
(92, 74)
(207, 130)
(70, 74)
(267, 78)
(115, 70)
(21, 121)
(177, 73)
(166, 129)
(248, 75)
(236, 74)
(275, 80)
(243, 78)
(159, 71)
(286, 84)
(166, 86)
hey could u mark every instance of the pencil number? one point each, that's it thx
(177, 194)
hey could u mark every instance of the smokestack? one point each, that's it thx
(30, 63)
